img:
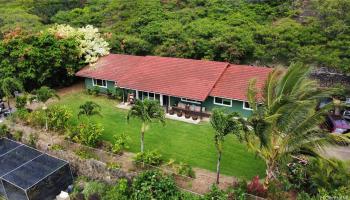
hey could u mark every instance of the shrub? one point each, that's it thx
(154, 185)
(21, 101)
(17, 135)
(95, 91)
(94, 188)
(153, 158)
(4, 131)
(111, 94)
(216, 193)
(57, 147)
(33, 139)
(120, 143)
(113, 165)
(88, 91)
(328, 175)
(21, 114)
(87, 133)
(256, 188)
(85, 154)
(185, 170)
(120, 191)
(58, 117)
(36, 118)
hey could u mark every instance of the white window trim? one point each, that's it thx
(245, 108)
(221, 104)
(147, 97)
(93, 83)
(190, 101)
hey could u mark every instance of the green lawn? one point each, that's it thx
(181, 141)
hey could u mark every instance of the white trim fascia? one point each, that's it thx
(190, 101)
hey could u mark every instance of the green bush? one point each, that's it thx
(154, 185)
(87, 133)
(33, 139)
(149, 158)
(58, 117)
(88, 91)
(57, 147)
(216, 193)
(113, 165)
(85, 154)
(4, 130)
(21, 101)
(94, 188)
(120, 143)
(17, 135)
(185, 170)
(37, 118)
(21, 114)
(120, 191)
(95, 91)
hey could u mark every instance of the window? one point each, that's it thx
(190, 101)
(222, 101)
(147, 95)
(246, 106)
(100, 83)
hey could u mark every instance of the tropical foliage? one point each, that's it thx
(147, 111)
(223, 124)
(256, 32)
(285, 121)
(89, 109)
(43, 94)
(8, 87)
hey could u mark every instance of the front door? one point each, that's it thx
(166, 102)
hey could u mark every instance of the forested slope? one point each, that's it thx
(270, 32)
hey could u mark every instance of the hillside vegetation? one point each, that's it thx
(270, 32)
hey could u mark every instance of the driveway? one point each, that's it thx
(341, 153)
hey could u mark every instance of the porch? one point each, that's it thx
(176, 108)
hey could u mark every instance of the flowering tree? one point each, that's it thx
(91, 44)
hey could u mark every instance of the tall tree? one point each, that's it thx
(89, 108)
(147, 111)
(223, 125)
(9, 86)
(285, 120)
(42, 95)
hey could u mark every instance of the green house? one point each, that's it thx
(194, 86)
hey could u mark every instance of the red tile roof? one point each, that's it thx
(193, 79)
(188, 78)
(234, 82)
(111, 67)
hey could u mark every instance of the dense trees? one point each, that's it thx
(253, 32)
(267, 33)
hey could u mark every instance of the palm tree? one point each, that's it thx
(147, 111)
(9, 86)
(89, 108)
(285, 121)
(223, 125)
(42, 95)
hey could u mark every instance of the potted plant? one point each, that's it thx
(187, 115)
(194, 117)
(179, 114)
(171, 112)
